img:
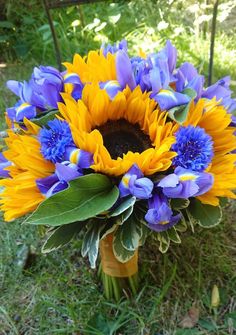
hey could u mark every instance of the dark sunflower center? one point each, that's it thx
(121, 136)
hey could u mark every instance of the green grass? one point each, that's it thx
(58, 293)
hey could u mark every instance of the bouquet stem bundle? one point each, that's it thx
(117, 278)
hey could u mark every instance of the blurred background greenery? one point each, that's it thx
(25, 35)
(59, 293)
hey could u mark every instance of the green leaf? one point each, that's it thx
(145, 232)
(121, 253)
(98, 325)
(164, 242)
(207, 324)
(206, 216)
(179, 113)
(173, 235)
(181, 226)
(86, 197)
(113, 222)
(43, 118)
(128, 202)
(179, 203)
(61, 236)
(130, 234)
(191, 220)
(91, 240)
(191, 93)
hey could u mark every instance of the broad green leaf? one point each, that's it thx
(206, 216)
(179, 113)
(91, 240)
(173, 235)
(128, 202)
(130, 234)
(61, 236)
(122, 254)
(86, 197)
(179, 203)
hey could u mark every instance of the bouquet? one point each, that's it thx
(117, 148)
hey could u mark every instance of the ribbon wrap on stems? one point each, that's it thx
(111, 266)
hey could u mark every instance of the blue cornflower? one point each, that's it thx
(55, 139)
(194, 148)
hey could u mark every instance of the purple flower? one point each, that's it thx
(122, 45)
(28, 103)
(112, 87)
(141, 70)
(55, 139)
(47, 83)
(155, 74)
(81, 158)
(134, 182)
(220, 89)
(20, 111)
(77, 86)
(185, 183)
(171, 54)
(194, 148)
(159, 215)
(124, 71)
(40, 93)
(58, 181)
(188, 77)
(4, 163)
(168, 99)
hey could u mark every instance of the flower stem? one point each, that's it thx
(132, 285)
(116, 288)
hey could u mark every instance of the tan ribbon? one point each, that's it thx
(111, 266)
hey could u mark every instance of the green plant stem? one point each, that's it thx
(106, 285)
(100, 270)
(132, 285)
(116, 288)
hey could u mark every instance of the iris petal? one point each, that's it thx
(124, 70)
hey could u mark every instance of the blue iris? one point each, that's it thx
(194, 148)
(54, 140)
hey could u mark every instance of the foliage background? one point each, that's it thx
(59, 294)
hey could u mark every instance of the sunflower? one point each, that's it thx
(120, 132)
(95, 67)
(21, 194)
(205, 142)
